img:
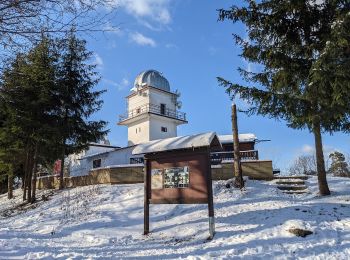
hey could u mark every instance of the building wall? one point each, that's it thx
(116, 157)
(148, 128)
(254, 169)
(242, 146)
(137, 100)
(135, 174)
(113, 175)
(156, 123)
(158, 97)
(119, 157)
(139, 131)
(77, 165)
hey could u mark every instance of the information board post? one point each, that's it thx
(210, 201)
(146, 197)
(181, 175)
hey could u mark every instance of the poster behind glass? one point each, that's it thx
(157, 179)
(177, 177)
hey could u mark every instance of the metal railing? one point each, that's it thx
(219, 157)
(156, 109)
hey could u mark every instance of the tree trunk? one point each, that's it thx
(25, 176)
(62, 170)
(29, 180)
(237, 157)
(10, 185)
(321, 171)
(33, 199)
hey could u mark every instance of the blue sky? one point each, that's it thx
(184, 40)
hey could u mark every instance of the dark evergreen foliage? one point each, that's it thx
(47, 98)
(302, 49)
(77, 98)
(339, 167)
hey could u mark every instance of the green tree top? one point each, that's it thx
(293, 42)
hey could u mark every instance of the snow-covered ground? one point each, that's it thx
(107, 222)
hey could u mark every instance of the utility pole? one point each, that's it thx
(237, 158)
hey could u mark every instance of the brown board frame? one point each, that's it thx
(200, 186)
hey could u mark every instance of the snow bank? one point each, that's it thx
(106, 221)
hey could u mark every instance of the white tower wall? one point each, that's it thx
(139, 131)
(156, 124)
(152, 113)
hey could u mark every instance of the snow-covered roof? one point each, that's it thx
(177, 143)
(243, 138)
(119, 166)
(105, 152)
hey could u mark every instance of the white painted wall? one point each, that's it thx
(157, 122)
(158, 97)
(77, 165)
(137, 100)
(115, 157)
(139, 131)
(148, 127)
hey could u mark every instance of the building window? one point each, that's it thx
(164, 129)
(162, 109)
(96, 163)
(136, 160)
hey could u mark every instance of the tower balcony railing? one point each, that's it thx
(220, 157)
(155, 109)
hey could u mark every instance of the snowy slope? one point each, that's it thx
(107, 222)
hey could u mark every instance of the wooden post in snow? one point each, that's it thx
(146, 197)
(237, 158)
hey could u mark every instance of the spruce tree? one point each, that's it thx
(339, 166)
(292, 42)
(78, 99)
(28, 91)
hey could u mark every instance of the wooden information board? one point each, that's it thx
(179, 177)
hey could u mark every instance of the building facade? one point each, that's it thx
(152, 114)
(152, 109)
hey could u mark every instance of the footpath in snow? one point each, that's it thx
(106, 221)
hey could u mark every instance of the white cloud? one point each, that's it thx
(156, 10)
(327, 149)
(307, 149)
(119, 85)
(98, 61)
(140, 39)
(109, 28)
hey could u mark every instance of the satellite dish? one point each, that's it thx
(177, 92)
(179, 104)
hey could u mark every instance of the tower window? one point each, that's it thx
(96, 163)
(162, 109)
(164, 129)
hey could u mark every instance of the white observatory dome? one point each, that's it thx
(151, 78)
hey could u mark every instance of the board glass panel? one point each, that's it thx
(177, 177)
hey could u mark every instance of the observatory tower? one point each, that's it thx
(152, 109)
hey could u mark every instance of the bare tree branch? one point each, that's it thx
(22, 22)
